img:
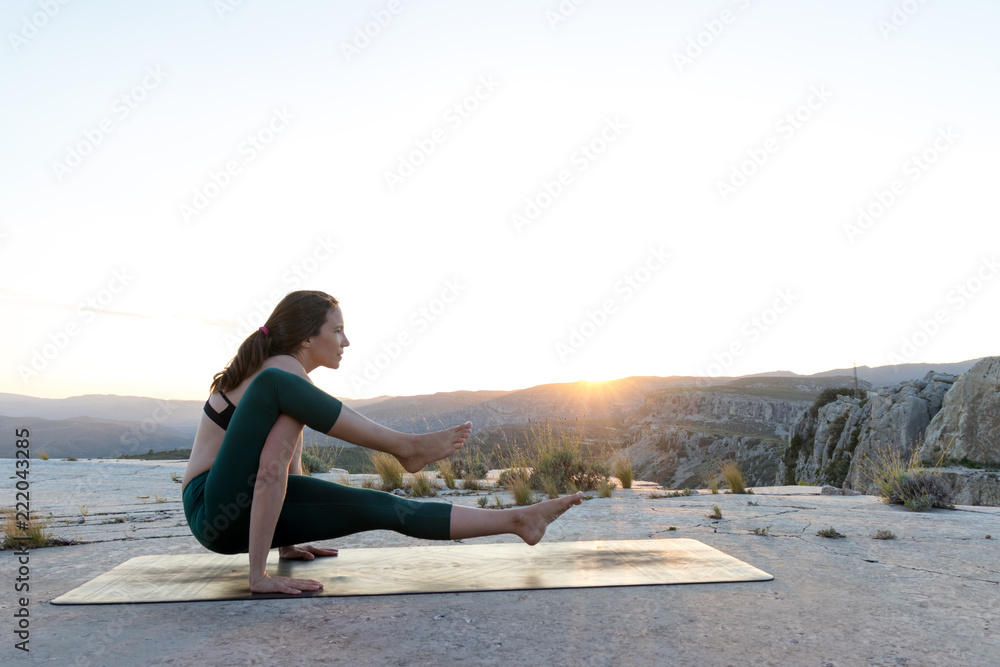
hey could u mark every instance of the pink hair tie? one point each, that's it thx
(264, 329)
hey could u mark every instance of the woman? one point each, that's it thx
(244, 490)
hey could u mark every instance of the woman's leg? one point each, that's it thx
(528, 523)
(316, 509)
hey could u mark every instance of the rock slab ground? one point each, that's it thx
(928, 597)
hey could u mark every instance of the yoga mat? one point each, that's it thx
(435, 569)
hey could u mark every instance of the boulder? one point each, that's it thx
(968, 425)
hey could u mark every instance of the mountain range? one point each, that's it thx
(102, 425)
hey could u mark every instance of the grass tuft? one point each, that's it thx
(43, 455)
(471, 483)
(733, 477)
(520, 488)
(482, 501)
(716, 512)
(422, 486)
(34, 535)
(621, 466)
(606, 488)
(389, 470)
(447, 472)
(761, 531)
(884, 535)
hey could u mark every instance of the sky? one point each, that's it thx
(500, 195)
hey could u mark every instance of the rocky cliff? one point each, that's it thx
(968, 424)
(943, 418)
(828, 439)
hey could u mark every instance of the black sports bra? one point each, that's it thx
(221, 418)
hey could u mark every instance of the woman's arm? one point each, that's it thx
(268, 495)
(296, 467)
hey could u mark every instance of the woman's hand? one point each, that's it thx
(269, 584)
(307, 552)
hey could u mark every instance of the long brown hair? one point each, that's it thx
(300, 315)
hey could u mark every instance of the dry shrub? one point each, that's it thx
(905, 482)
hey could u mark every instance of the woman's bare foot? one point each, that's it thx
(430, 447)
(532, 521)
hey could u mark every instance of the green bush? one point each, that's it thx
(828, 395)
(830, 532)
(835, 431)
(470, 468)
(836, 471)
(513, 477)
(566, 470)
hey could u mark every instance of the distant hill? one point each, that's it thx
(881, 376)
(86, 437)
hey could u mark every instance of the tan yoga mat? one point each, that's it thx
(435, 569)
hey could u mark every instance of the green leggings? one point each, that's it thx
(217, 502)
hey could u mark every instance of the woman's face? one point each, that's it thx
(327, 348)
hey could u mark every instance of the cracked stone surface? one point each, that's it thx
(928, 597)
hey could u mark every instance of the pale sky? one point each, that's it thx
(636, 188)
